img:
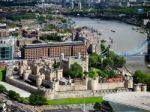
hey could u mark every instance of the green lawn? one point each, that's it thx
(2, 74)
(75, 101)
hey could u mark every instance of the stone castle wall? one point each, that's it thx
(95, 85)
(64, 91)
(21, 85)
(72, 88)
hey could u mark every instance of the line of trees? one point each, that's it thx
(34, 99)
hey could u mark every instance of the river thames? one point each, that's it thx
(125, 38)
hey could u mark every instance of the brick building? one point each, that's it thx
(4, 33)
(36, 51)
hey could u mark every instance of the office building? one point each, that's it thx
(7, 48)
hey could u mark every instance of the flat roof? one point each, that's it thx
(54, 44)
(140, 100)
(22, 93)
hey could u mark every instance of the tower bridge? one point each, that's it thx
(138, 51)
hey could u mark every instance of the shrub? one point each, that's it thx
(2, 89)
(13, 95)
(37, 100)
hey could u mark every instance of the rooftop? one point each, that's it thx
(136, 99)
(54, 44)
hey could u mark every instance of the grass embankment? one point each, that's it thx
(75, 101)
(2, 74)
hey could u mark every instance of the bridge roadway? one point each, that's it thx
(136, 51)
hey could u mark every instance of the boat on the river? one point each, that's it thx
(113, 31)
(141, 31)
(135, 28)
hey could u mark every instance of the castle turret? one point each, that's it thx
(128, 83)
(93, 84)
(25, 75)
(39, 79)
(144, 87)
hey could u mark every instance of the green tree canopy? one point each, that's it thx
(56, 64)
(37, 100)
(75, 71)
(141, 77)
(94, 60)
(97, 106)
(119, 61)
(93, 73)
(2, 89)
(108, 62)
(13, 95)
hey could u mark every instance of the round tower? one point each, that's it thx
(25, 75)
(39, 79)
(144, 87)
(137, 87)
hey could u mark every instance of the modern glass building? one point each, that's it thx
(5, 52)
(128, 102)
(7, 48)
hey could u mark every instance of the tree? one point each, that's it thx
(56, 64)
(97, 106)
(75, 71)
(108, 62)
(111, 54)
(41, 19)
(108, 73)
(103, 47)
(52, 37)
(93, 73)
(13, 95)
(141, 77)
(2, 89)
(37, 100)
(94, 60)
(119, 61)
(51, 26)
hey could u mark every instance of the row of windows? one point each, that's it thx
(55, 51)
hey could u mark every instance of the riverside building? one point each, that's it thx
(45, 50)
